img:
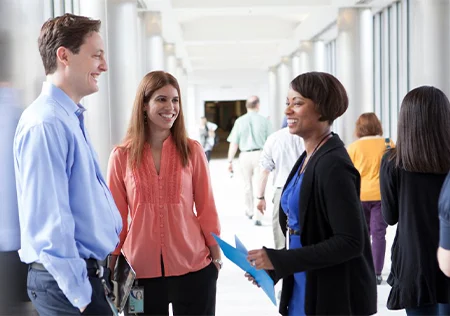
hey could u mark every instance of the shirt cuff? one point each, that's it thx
(444, 231)
(80, 296)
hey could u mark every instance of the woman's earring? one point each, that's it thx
(145, 118)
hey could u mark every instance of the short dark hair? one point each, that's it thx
(68, 31)
(327, 93)
(423, 132)
(368, 124)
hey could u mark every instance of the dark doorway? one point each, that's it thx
(224, 114)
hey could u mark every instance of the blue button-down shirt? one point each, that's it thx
(66, 211)
(9, 216)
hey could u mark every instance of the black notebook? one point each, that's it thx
(124, 277)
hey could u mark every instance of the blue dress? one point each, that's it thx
(290, 202)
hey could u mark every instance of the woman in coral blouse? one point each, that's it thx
(160, 181)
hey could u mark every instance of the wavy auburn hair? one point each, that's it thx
(137, 130)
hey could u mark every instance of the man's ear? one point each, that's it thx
(62, 55)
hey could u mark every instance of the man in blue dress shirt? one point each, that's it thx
(68, 219)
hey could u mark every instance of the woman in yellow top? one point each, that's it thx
(366, 154)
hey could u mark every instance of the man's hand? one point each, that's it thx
(230, 167)
(259, 259)
(261, 206)
(217, 266)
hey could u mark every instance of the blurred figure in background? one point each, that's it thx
(279, 155)
(366, 154)
(157, 176)
(207, 132)
(13, 273)
(411, 178)
(249, 133)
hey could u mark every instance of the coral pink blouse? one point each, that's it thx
(158, 210)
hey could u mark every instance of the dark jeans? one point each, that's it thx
(48, 299)
(377, 228)
(13, 286)
(436, 309)
(190, 294)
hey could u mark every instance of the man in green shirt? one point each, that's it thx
(249, 134)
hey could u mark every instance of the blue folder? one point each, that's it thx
(238, 256)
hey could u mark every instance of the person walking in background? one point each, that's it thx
(279, 155)
(68, 220)
(207, 136)
(249, 134)
(157, 176)
(411, 178)
(328, 267)
(366, 154)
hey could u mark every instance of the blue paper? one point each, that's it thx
(238, 256)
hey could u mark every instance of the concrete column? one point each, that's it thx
(123, 70)
(295, 65)
(284, 79)
(109, 109)
(171, 59)
(195, 110)
(319, 56)
(305, 54)
(430, 44)
(141, 45)
(154, 41)
(354, 66)
(273, 96)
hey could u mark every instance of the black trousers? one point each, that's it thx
(190, 294)
(13, 286)
(48, 299)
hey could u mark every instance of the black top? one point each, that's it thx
(336, 253)
(410, 200)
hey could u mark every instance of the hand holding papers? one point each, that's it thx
(238, 256)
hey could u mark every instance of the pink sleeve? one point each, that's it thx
(203, 194)
(116, 183)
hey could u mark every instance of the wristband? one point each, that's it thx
(260, 197)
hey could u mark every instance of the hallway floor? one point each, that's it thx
(235, 295)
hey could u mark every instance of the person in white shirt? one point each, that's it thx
(280, 152)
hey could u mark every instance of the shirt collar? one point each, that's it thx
(62, 98)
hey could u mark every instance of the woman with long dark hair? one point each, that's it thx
(411, 177)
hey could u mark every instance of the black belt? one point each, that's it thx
(92, 265)
(247, 151)
(294, 232)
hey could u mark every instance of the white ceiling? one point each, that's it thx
(215, 36)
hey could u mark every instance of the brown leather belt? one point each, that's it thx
(294, 232)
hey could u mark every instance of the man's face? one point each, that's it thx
(85, 67)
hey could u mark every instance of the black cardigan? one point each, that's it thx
(336, 253)
(410, 200)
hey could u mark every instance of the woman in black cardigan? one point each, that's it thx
(411, 178)
(328, 269)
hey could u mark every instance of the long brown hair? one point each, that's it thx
(136, 134)
(423, 143)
